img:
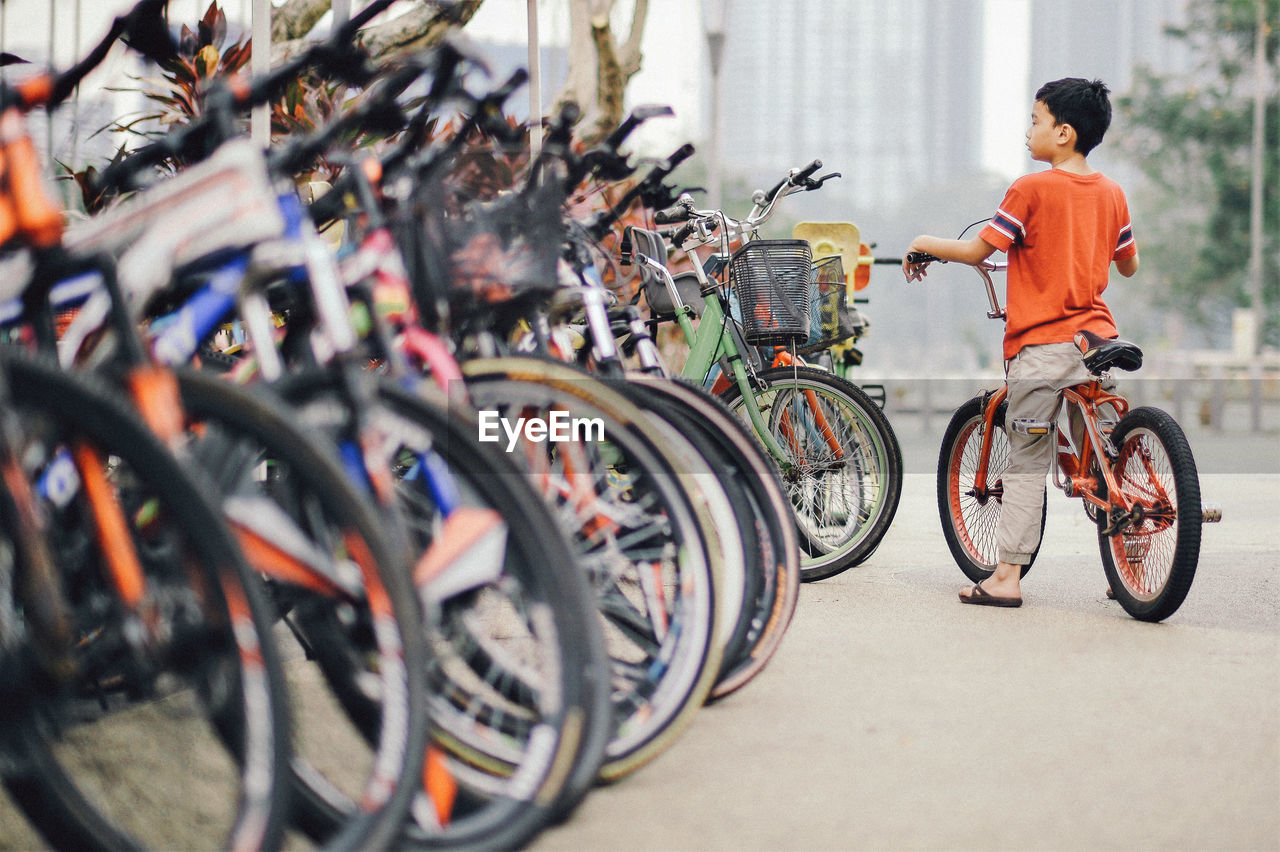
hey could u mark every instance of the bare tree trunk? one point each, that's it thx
(611, 84)
(295, 19)
(600, 68)
(416, 29)
(582, 81)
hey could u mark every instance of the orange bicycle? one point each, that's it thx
(1132, 468)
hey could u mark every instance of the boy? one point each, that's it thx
(1061, 228)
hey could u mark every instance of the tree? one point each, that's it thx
(421, 26)
(1192, 138)
(599, 66)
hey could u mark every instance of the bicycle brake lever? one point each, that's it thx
(815, 183)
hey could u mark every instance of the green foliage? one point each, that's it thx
(1191, 135)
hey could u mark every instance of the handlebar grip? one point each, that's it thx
(793, 180)
(638, 116)
(922, 257)
(517, 79)
(678, 238)
(561, 128)
(330, 206)
(672, 215)
(807, 171)
(681, 154)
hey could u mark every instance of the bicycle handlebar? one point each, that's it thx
(638, 116)
(795, 178)
(983, 268)
(682, 212)
(600, 225)
(332, 205)
(605, 160)
(705, 222)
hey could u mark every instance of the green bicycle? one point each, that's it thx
(837, 453)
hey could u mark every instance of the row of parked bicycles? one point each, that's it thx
(407, 537)
(378, 519)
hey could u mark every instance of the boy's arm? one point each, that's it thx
(969, 251)
(1127, 266)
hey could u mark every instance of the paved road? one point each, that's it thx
(895, 718)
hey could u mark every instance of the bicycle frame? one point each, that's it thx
(1097, 452)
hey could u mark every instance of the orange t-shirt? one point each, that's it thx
(1061, 232)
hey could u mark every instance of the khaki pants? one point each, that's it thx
(1036, 376)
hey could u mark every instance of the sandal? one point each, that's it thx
(979, 596)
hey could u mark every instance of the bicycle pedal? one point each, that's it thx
(1030, 427)
(1210, 513)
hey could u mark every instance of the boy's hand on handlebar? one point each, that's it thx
(915, 265)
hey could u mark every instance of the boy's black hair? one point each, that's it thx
(1081, 103)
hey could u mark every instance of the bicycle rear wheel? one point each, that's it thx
(1150, 556)
(843, 470)
(970, 519)
(175, 716)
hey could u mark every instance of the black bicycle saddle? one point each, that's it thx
(1102, 353)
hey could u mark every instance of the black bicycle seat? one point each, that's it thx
(1103, 353)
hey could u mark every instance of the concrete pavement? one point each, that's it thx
(895, 718)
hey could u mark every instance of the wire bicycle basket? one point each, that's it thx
(831, 319)
(771, 279)
(507, 247)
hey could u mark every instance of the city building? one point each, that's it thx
(888, 94)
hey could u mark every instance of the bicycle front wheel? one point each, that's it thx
(636, 535)
(842, 468)
(774, 585)
(517, 680)
(173, 714)
(345, 593)
(971, 518)
(1150, 554)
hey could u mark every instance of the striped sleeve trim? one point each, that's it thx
(1126, 238)
(1008, 225)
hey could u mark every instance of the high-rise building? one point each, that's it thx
(889, 94)
(1107, 39)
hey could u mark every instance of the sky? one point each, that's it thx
(670, 52)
